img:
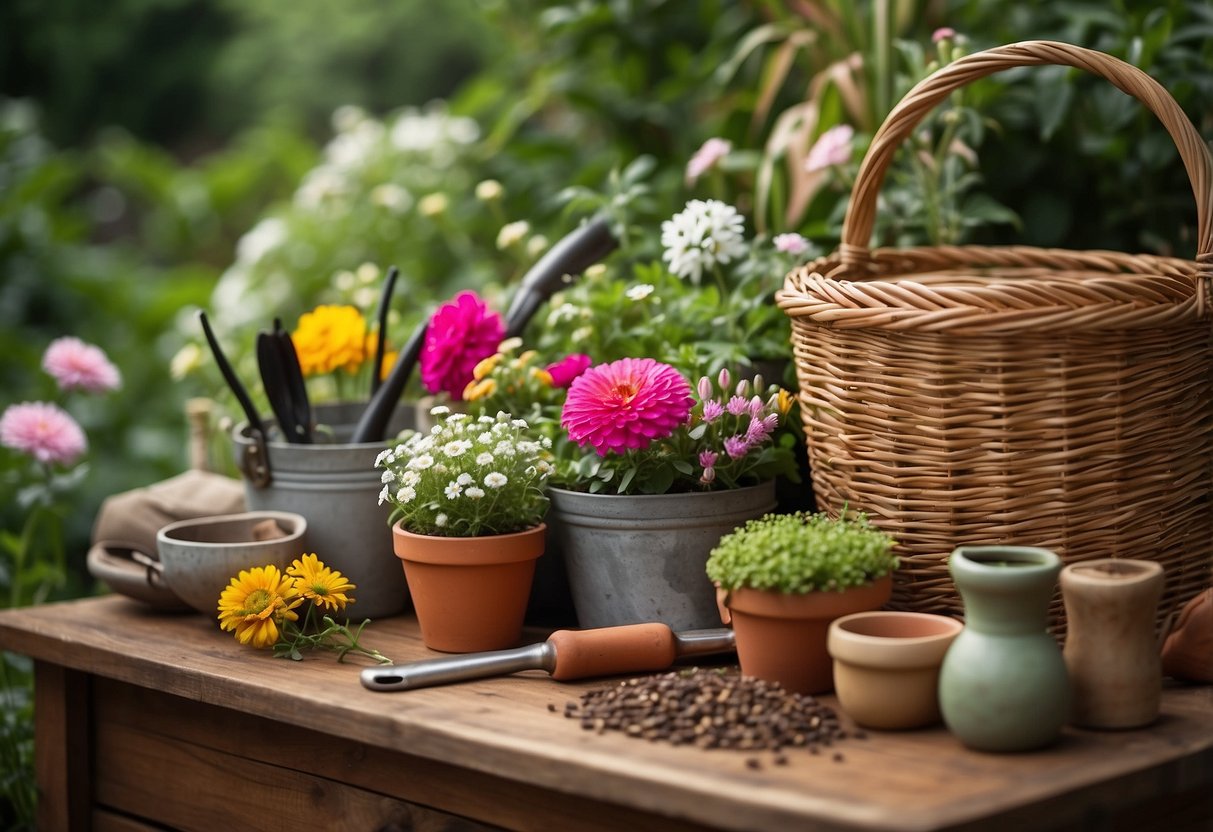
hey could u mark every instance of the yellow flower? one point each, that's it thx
(485, 366)
(479, 389)
(543, 376)
(331, 337)
(255, 603)
(524, 359)
(316, 582)
(785, 402)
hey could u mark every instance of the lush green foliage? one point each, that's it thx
(799, 552)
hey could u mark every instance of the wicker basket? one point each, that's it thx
(977, 395)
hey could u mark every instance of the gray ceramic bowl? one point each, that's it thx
(199, 557)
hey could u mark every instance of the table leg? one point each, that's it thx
(62, 747)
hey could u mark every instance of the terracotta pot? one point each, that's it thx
(782, 637)
(470, 593)
(1188, 652)
(886, 666)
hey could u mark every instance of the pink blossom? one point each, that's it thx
(564, 371)
(706, 157)
(737, 406)
(460, 334)
(756, 405)
(628, 403)
(833, 147)
(736, 447)
(712, 410)
(761, 428)
(942, 33)
(708, 458)
(43, 431)
(791, 243)
(704, 388)
(76, 365)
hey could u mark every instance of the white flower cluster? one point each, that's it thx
(467, 476)
(702, 235)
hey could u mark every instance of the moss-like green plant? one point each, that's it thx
(801, 552)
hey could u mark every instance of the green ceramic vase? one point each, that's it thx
(1004, 685)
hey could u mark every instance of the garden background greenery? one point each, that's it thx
(255, 158)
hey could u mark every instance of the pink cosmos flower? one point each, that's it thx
(43, 431)
(942, 33)
(833, 147)
(566, 370)
(76, 365)
(628, 403)
(706, 157)
(791, 243)
(460, 334)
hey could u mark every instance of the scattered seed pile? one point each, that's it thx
(710, 709)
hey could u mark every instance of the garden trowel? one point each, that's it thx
(567, 654)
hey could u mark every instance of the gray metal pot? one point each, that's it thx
(633, 559)
(335, 485)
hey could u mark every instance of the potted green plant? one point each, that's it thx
(784, 577)
(468, 504)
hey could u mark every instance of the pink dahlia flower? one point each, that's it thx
(565, 371)
(77, 365)
(460, 334)
(628, 403)
(43, 431)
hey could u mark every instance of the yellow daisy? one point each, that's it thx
(255, 603)
(316, 582)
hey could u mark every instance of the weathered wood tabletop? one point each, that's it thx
(504, 730)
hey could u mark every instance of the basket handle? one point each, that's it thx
(927, 93)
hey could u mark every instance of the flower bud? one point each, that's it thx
(704, 388)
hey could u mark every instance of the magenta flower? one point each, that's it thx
(628, 403)
(76, 365)
(712, 410)
(942, 33)
(566, 370)
(43, 431)
(737, 406)
(707, 459)
(460, 334)
(706, 158)
(736, 447)
(761, 428)
(833, 147)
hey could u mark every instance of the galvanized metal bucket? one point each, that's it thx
(336, 486)
(633, 559)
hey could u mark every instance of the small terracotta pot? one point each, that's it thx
(782, 637)
(886, 666)
(470, 593)
(1188, 652)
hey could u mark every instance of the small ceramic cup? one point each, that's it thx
(200, 556)
(886, 666)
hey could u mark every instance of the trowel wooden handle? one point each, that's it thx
(581, 654)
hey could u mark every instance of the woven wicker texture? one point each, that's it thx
(977, 395)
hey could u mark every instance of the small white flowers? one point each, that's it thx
(702, 235)
(640, 291)
(468, 476)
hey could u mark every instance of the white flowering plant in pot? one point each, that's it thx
(468, 477)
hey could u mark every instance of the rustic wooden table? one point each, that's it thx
(148, 720)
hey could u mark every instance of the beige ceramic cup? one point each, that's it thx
(200, 556)
(886, 666)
